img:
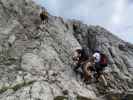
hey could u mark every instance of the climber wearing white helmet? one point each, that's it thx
(100, 62)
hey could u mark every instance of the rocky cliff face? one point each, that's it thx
(35, 59)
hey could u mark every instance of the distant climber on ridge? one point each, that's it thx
(44, 16)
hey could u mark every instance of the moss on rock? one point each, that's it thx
(83, 98)
(17, 86)
(61, 98)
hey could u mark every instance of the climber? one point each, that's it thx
(77, 60)
(80, 55)
(101, 62)
(82, 61)
(44, 16)
(88, 69)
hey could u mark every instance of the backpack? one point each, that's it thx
(85, 52)
(45, 13)
(104, 60)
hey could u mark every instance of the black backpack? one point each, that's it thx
(85, 52)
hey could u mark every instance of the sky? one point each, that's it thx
(114, 15)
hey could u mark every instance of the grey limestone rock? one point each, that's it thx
(35, 58)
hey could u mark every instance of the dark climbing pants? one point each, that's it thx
(76, 69)
(98, 68)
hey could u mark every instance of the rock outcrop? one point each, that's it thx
(35, 58)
